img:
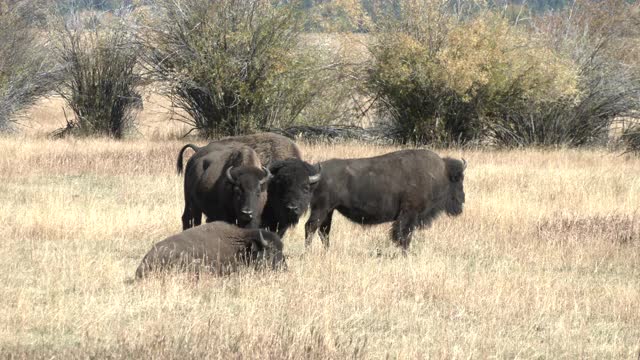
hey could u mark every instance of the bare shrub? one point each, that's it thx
(100, 80)
(631, 138)
(598, 38)
(26, 72)
(232, 65)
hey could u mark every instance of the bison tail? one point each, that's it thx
(180, 156)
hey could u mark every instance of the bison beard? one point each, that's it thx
(409, 187)
(455, 199)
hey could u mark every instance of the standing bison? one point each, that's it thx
(289, 191)
(270, 147)
(217, 246)
(409, 187)
(294, 180)
(225, 183)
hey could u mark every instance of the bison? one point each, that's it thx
(270, 147)
(409, 187)
(225, 183)
(289, 191)
(217, 246)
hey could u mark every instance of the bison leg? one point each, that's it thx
(402, 230)
(315, 219)
(186, 218)
(196, 214)
(309, 229)
(319, 212)
(325, 228)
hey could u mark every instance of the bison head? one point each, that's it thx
(289, 193)
(268, 250)
(455, 198)
(247, 184)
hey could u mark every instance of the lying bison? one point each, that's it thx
(225, 183)
(218, 247)
(409, 187)
(293, 182)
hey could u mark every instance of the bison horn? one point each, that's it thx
(267, 175)
(229, 175)
(464, 164)
(315, 178)
(262, 241)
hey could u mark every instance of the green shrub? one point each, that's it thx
(337, 16)
(100, 80)
(446, 80)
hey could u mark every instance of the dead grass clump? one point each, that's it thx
(615, 228)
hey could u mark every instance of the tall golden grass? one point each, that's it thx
(543, 263)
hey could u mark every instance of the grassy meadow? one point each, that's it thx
(543, 263)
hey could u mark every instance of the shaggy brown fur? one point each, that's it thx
(217, 247)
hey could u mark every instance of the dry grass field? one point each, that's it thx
(543, 263)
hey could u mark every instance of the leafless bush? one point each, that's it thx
(599, 38)
(631, 138)
(232, 65)
(100, 79)
(26, 72)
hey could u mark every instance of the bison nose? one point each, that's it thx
(294, 209)
(249, 213)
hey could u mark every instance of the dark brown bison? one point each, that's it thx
(290, 189)
(225, 183)
(409, 187)
(218, 247)
(269, 146)
(288, 193)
